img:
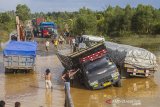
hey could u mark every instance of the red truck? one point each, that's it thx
(36, 25)
(39, 20)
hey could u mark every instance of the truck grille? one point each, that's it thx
(105, 79)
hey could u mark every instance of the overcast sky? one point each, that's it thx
(71, 5)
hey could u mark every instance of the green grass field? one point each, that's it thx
(137, 41)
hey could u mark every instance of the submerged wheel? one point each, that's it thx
(118, 84)
(87, 86)
(127, 75)
(124, 73)
(6, 70)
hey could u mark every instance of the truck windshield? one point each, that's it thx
(98, 64)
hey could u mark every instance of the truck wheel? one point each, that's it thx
(88, 87)
(127, 75)
(118, 84)
(6, 70)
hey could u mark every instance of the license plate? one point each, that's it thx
(140, 71)
(106, 84)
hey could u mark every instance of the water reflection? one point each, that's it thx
(141, 92)
(133, 88)
(48, 98)
(20, 85)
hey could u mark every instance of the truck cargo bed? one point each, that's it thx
(71, 60)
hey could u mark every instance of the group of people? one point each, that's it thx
(47, 44)
(66, 77)
(2, 104)
(54, 41)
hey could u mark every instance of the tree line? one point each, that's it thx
(112, 21)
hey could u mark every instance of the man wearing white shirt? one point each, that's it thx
(47, 45)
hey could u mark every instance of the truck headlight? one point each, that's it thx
(109, 63)
(94, 83)
(87, 72)
(115, 74)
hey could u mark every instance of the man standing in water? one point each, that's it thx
(56, 43)
(48, 82)
(47, 45)
(66, 77)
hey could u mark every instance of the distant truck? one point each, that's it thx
(48, 29)
(36, 25)
(97, 70)
(19, 55)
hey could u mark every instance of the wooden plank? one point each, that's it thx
(85, 50)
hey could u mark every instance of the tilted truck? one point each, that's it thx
(132, 61)
(19, 55)
(96, 68)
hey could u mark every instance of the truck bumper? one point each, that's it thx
(140, 72)
(108, 82)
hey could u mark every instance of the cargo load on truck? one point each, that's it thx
(132, 61)
(93, 38)
(96, 68)
(19, 55)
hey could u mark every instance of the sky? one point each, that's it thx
(72, 5)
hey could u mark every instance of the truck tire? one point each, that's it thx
(124, 73)
(6, 70)
(127, 75)
(118, 84)
(87, 86)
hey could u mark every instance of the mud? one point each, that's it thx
(29, 89)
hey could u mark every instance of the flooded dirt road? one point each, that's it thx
(29, 89)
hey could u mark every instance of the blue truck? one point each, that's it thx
(48, 29)
(19, 55)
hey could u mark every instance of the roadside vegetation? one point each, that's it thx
(112, 22)
(137, 41)
(7, 24)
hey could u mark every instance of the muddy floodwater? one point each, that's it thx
(135, 92)
(30, 90)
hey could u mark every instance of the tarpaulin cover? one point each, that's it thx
(135, 56)
(47, 24)
(93, 38)
(20, 48)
